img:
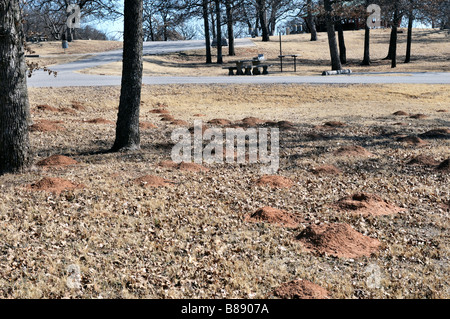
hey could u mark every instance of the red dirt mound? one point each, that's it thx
(99, 120)
(353, 150)
(46, 107)
(54, 185)
(220, 122)
(423, 160)
(147, 125)
(45, 126)
(159, 111)
(339, 240)
(192, 167)
(57, 160)
(275, 181)
(326, 170)
(167, 118)
(78, 106)
(366, 205)
(179, 123)
(444, 166)
(412, 140)
(401, 113)
(152, 181)
(419, 116)
(301, 289)
(273, 216)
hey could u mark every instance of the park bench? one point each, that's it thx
(265, 69)
(249, 67)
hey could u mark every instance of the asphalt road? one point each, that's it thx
(67, 76)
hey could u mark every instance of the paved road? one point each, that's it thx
(67, 75)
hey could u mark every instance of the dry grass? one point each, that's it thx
(430, 52)
(192, 240)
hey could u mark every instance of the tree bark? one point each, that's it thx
(230, 28)
(15, 151)
(207, 33)
(219, 33)
(262, 14)
(310, 21)
(366, 59)
(394, 38)
(127, 127)
(332, 43)
(409, 40)
(342, 48)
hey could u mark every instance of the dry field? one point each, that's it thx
(430, 53)
(137, 226)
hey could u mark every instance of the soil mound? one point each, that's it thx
(301, 289)
(159, 111)
(99, 120)
(167, 118)
(419, 116)
(192, 167)
(353, 150)
(367, 205)
(412, 140)
(152, 181)
(45, 126)
(326, 170)
(444, 166)
(179, 123)
(221, 122)
(339, 240)
(401, 113)
(46, 107)
(57, 160)
(147, 125)
(274, 216)
(54, 185)
(436, 133)
(423, 160)
(275, 181)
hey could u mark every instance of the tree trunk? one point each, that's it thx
(366, 59)
(262, 14)
(219, 33)
(310, 21)
(409, 41)
(213, 23)
(394, 38)
(342, 48)
(15, 151)
(332, 43)
(229, 9)
(127, 127)
(207, 35)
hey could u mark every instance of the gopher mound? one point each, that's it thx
(147, 125)
(424, 160)
(45, 126)
(159, 111)
(444, 166)
(367, 205)
(353, 150)
(54, 185)
(301, 289)
(401, 113)
(275, 181)
(192, 167)
(339, 240)
(273, 216)
(99, 120)
(152, 181)
(412, 140)
(57, 160)
(221, 122)
(326, 170)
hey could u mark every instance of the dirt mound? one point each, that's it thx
(436, 133)
(57, 160)
(168, 164)
(159, 111)
(353, 150)
(275, 181)
(179, 123)
(167, 118)
(444, 166)
(252, 121)
(423, 160)
(192, 167)
(400, 113)
(78, 106)
(419, 116)
(339, 240)
(54, 185)
(99, 120)
(152, 181)
(367, 205)
(46, 107)
(147, 125)
(326, 170)
(221, 122)
(412, 140)
(301, 289)
(45, 126)
(274, 216)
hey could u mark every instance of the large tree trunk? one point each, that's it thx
(219, 33)
(342, 48)
(262, 14)
(409, 41)
(207, 35)
(366, 59)
(229, 10)
(15, 151)
(127, 127)
(310, 21)
(394, 38)
(332, 43)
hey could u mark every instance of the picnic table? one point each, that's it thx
(291, 56)
(248, 66)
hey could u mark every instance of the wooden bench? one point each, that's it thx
(265, 68)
